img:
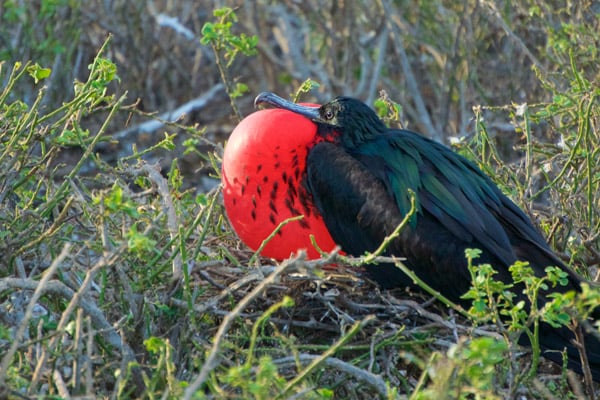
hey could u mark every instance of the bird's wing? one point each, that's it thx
(447, 186)
(359, 212)
(341, 187)
(458, 195)
(361, 192)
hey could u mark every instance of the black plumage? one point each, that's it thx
(360, 173)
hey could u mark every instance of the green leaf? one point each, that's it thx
(38, 73)
(208, 33)
(139, 243)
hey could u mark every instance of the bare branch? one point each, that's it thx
(171, 116)
(411, 82)
(39, 288)
(362, 375)
(212, 359)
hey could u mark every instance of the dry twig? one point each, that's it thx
(212, 358)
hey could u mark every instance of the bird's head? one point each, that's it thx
(349, 120)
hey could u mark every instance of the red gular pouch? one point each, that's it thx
(264, 166)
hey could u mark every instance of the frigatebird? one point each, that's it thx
(359, 174)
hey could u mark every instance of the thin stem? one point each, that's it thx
(331, 351)
(271, 236)
(388, 239)
(213, 356)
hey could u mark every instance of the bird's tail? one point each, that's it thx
(553, 341)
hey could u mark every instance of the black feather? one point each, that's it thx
(360, 177)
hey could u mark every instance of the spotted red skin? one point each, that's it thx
(263, 167)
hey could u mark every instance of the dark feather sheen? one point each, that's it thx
(359, 174)
(360, 186)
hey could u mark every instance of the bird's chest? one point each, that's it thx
(270, 186)
(263, 188)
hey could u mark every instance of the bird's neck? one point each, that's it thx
(350, 138)
(327, 133)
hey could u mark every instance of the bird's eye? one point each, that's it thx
(328, 114)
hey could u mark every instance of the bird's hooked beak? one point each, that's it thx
(272, 99)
